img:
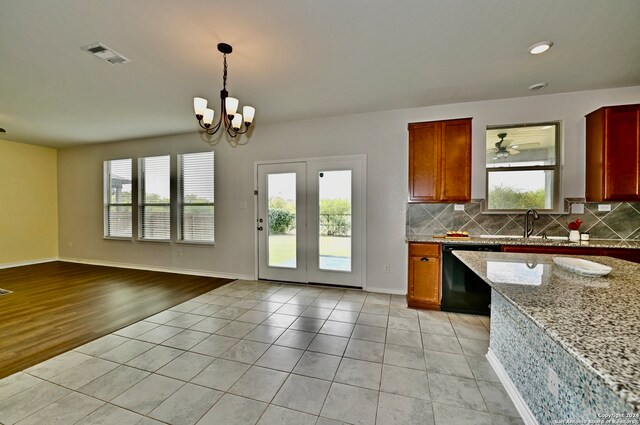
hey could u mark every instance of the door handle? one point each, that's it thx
(260, 227)
(424, 259)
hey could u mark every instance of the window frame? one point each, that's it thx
(180, 204)
(556, 207)
(142, 204)
(107, 204)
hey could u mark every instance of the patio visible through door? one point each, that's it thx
(311, 221)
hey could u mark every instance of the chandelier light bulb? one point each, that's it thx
(199, 106)
(237, 122)
(248, 112)
(208, 116)
(231, 104)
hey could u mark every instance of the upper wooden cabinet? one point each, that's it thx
(440, 161)
(613, 154)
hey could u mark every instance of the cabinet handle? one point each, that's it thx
(424, 259)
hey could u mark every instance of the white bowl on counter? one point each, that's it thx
(582, 266)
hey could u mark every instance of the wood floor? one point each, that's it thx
(58, 306)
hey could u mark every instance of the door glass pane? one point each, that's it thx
(334, 189)
(281, 220)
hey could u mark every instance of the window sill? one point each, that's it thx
(116, 238)
(161, 241)
(200, 243)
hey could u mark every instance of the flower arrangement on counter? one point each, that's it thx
(575, 225)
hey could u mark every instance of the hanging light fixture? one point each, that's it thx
(229, 118)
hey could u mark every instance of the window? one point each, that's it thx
(522, 167)
(155, 200)
(196, 197)
(117, 198)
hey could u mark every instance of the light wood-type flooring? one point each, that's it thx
(58, 306)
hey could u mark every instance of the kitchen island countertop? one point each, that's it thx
(595, 319)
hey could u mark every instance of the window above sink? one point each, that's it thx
(522, 166)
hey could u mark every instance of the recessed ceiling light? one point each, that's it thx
(540, 47)
(538, 86)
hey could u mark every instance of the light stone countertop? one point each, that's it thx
(595, 319)
(598, 243)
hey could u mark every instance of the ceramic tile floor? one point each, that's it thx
(266, 353)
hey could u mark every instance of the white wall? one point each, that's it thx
(381, 136)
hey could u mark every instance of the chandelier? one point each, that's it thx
(229, 118)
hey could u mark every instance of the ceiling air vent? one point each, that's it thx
(106, 54)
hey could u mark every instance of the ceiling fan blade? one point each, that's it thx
(513, 152)
(529, 144)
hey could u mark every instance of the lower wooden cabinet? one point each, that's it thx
(628, 254)
(424, 275)
(563, 250)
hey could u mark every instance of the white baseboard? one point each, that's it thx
(511, 389)
(158, 269)
(386, 291)
(28, 262)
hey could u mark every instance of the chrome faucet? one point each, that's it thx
(528, 223)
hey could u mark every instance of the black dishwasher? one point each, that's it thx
(463, 291)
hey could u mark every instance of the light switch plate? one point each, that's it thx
(604, 207)
(577, 208)
(458, 207)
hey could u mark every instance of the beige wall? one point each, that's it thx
(28, 203)
(381, 136)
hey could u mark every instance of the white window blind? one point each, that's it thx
(117, 198)
(155, 200)
(196, 197)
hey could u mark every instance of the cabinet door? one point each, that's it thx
(424, 281)
(455, 176)
(623, 254)
(424, 154)
(622, 153)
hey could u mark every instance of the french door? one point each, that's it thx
(310, 223)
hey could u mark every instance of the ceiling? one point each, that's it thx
(292, 59)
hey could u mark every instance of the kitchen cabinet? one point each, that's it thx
(623, 254)
(563, 250)
(613, 154)
(628, 254)
(424, 275)
(440, 161)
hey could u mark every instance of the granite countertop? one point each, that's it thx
(595, 319)
(599, 243)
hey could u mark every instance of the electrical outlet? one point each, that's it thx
(387, 268)
(553, 382)
(458, 207)
(604, 207)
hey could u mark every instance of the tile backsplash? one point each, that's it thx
(621, 223)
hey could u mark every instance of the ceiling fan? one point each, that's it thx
(504, 148)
